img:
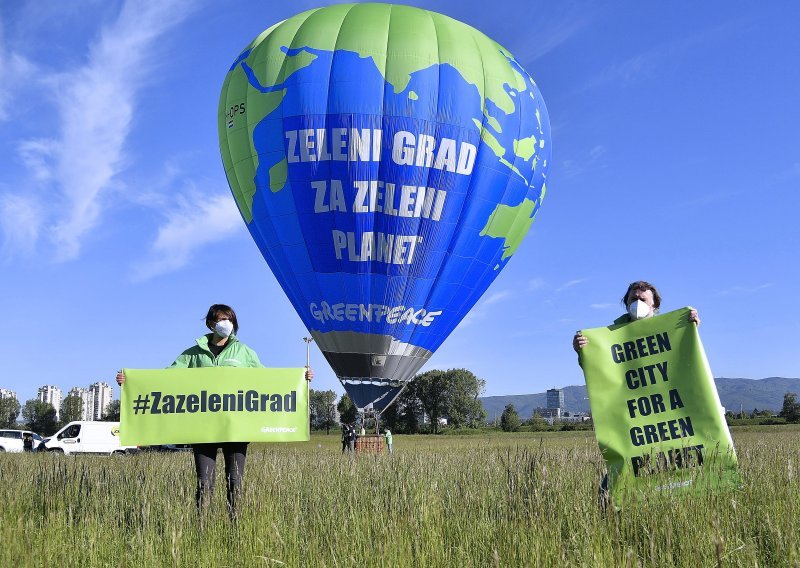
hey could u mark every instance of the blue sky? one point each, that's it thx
(676, 160)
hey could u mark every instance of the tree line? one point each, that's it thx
(40, 417)
(789, 413)
(453, 395)
(791, 408)
(511, 421)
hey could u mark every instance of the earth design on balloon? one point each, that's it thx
(388, 162)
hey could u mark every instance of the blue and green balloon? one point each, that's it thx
(388, 161)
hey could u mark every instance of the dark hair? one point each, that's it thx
(643, 286)
(221, 309)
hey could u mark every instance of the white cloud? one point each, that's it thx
(496, 297)
(602, 306)
(535, 284)
(482, 307)
(96, 106)
(743, 290)
(195, 222)
(155, 189)
(597, 152)
(570, 284)
(587, 162)
(36, 155)
(650, 64)
(557, 30)
(14, 71)
(20, 220)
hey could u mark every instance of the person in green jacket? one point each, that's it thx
(220, 348)
(388, 435)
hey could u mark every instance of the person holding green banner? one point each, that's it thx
(641, 300)
(220, 348)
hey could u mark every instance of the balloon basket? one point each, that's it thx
(370, 444)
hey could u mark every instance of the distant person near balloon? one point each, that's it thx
(388, 435)
(387, 161)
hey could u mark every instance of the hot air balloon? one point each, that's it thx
(388, 161)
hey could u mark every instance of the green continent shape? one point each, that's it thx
(525, 148)
(277, 176)
(492, 121)
(494, 144)
(239, 156)
(510, 223)
(433, 38)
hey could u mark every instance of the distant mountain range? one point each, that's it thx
(735, 394)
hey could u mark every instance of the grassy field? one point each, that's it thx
(522, 499)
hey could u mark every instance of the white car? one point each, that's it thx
(14, 441)
(85, 437)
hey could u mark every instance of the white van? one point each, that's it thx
(83, 437)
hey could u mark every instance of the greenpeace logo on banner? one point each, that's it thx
(675, 485)
(372, 312)
(243, 401)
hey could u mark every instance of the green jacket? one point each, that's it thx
(235, 354)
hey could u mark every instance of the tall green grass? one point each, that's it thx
(495, 500)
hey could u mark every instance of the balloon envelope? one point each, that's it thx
(387, 161)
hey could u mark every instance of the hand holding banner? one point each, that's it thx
(213, 404)
(657, 415)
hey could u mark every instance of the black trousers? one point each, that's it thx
(603, 498)
(205, 464)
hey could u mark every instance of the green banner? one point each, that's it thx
(657, 415)
(213, 404)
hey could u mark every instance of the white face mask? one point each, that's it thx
(223, 328)
(639, 310)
